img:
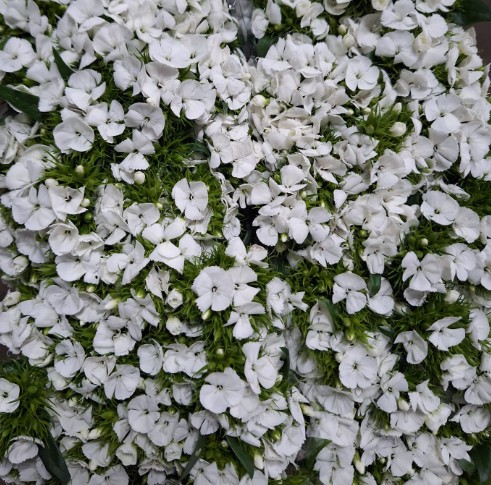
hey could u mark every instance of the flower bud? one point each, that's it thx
(84, 433)
(402, 404)
(398, 129)
(339, 357)
(342, 29)
(51, 182)
(284, 237)
(85, 202)
(206, 315)
(349, 41)
(79, 170)
(139, 178)
(88, 217)
(359, 465)
(220, 353)
(159, 205)
(258, 461)
(423, 242)
(91, 289)
(452, 296)
(367, 110)
(260, 100)
(111, 304)
(95, 434)
(151, 102)
(397, 108)
(11, 298)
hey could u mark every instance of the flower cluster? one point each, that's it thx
(235, 271)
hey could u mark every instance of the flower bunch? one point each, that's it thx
(244, 271)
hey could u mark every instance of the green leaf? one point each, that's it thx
(25, 102)
(286, 371)
(481, 457)
(312, 447)
(331, 308)
(468, 467)
(374, 283)
(53, 460)
(242, 455)
(467, 12)
(262, 46)
(65, 71)
(200, 443)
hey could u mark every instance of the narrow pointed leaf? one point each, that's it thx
(374, 284)
(194, 457)
(53, 460)
(242, 455)
(25, 102)
(481, 457)
(65, 71)
(469, 12)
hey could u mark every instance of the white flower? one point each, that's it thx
(9, 394)
(22, 449)
(357, 369)
(352, 288)
(70, 357)
(215, 289)
(191, 198)
(223, 389)
(444, 337)
(16, 54)
(472, 419)
(122, 383)
(194, 98)
(143, 413)
(73, 134)
(34, 210)
(439, 207)
(361, 74)
(151, 358)
(392, 387)
(148, 119)
(416, 348)
(240, 318)
(259, 371)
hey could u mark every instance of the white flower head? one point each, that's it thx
(9, 395)
(223, 389)
(215, 289)
(191, 198)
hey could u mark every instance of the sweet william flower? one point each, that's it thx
(259, 371)
(222, 390)
(215, 289)
(442, 336)
(73, 134)
(350, 287)
(416, 348)
(361, 74)
(191, 198)
(357, 369)
(16, 54)
(9, 394)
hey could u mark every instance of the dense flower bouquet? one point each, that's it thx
(232, 270)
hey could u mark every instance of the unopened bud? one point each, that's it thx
(284, 237)
(342, 29)
(95, 434)
(85, 202)
(349, 41)
(452, 296)
(111, 304)
(398, 129)
(79, 170)
(206, 315)
(139, 178)
(403, 405)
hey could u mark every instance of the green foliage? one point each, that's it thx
(467, 12)
(33, 416)
(64, 70)
(242, 455)
(53, 460)
(25, 102)
(478, 470)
